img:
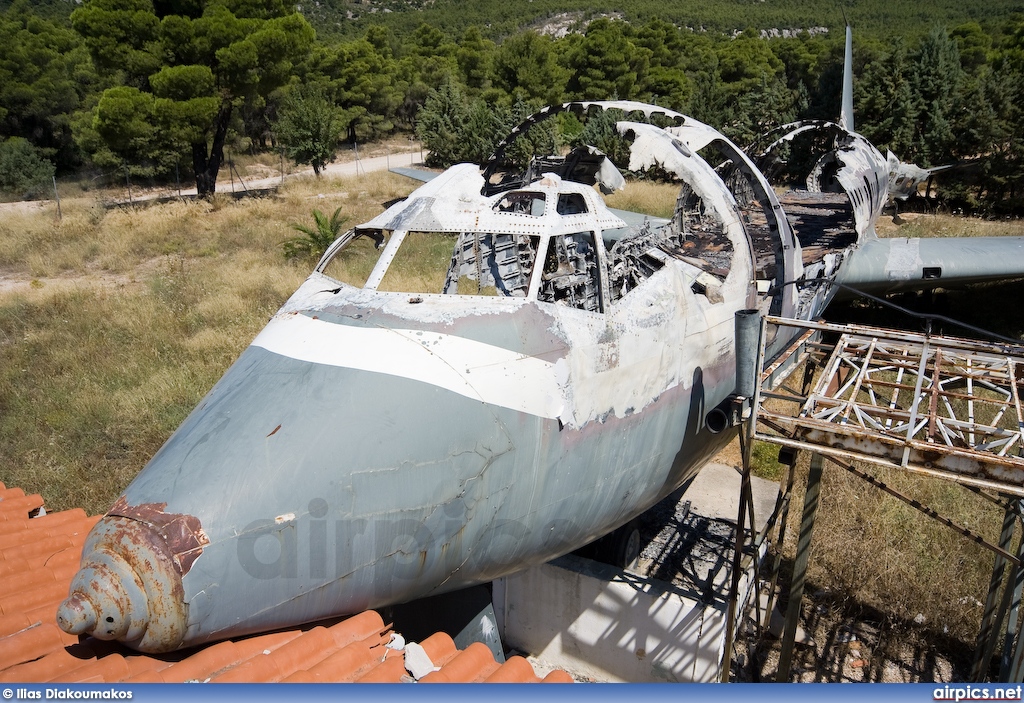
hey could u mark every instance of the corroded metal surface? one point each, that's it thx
(128, 588)
(182, 534)
(938, 405)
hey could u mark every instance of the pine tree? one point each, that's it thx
(441, 124)
(310, 127)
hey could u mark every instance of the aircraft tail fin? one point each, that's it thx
(846, 116)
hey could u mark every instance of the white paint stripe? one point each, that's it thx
(477, 370)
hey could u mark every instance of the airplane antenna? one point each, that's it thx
(846, 115)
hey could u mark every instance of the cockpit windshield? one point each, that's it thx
(451, 263)
(522, 202)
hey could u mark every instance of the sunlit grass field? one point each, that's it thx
(114, 323)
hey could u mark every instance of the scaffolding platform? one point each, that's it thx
(938, 406)
(931, 404)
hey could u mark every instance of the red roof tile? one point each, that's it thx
(39, 556)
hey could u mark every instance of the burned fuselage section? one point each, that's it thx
(489, 374)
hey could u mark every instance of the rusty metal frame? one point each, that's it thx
(939, 406)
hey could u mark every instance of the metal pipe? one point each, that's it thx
(748, 333)
(994, 608)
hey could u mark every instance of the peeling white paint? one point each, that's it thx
(473, 369)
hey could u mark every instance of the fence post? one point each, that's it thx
(56, 196)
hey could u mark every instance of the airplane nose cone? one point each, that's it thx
(126, 589)
(108, 599)
(76, 615)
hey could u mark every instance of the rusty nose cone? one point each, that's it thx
(127, 588)
(76, 616)
(108, 599)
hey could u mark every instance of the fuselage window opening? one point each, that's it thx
(571, 204)
(571, 274)
(352, 262)
(421, 263)
(522, 202)
(631, 262)
(704, 238)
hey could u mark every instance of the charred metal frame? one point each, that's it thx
(939, 406)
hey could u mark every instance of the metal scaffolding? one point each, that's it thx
(938, 406)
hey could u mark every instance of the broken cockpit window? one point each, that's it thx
(522, 202)
(421, 263)
(632, 260)
(352, 261)
(470, 263)
(492, 264)
(571, 204)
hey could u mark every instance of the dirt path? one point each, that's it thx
(348, 166)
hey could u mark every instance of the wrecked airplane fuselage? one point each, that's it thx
(520, 372)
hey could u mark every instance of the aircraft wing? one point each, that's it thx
(635, 219)
(899, 264)
(417, 174)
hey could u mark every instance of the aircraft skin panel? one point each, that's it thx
(900, 264)
(417, 174)
(472, 493)
(476, 370)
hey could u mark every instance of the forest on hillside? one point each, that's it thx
(159, 87)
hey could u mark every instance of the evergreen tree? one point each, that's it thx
(665, 82)
(309, 127)
(428, 61)
(525, 66)
(196, 60)
(937, 81)
(885, 100)
(442, 123)
(606, 64)
(45, 77)
(362, 80)
(1004, 168)
(474, 58)
(24, 171)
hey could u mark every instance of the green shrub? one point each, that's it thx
(24, 171)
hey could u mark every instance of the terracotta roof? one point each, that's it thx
(40, 555)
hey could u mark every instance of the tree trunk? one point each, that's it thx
(206, 167)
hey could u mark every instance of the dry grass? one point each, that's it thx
(647, 197)
(874, 552)
(130, 317)
(936, 225)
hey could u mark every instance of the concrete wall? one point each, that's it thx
(610, 625)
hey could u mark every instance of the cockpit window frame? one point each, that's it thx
(533, 196)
